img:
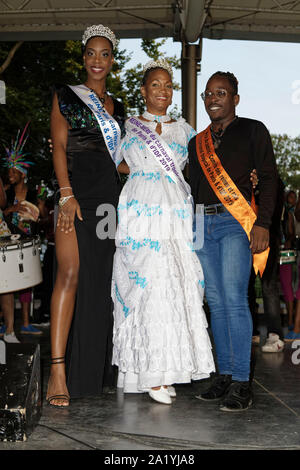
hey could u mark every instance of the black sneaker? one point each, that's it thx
(238, 397)
(218, 388)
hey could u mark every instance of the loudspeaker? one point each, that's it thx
(20, 391)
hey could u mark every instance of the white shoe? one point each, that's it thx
(273, 344)
(11, 338)
(161, 395)
(172, 391)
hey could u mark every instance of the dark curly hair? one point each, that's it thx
(231, 79)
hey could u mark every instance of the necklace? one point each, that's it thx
(217, 135)
(153, 117)
(101, 99)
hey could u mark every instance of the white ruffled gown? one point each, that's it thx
(160, 329)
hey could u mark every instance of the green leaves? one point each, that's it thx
(287, 153)
(36, 67)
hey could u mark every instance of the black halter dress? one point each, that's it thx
(95, 181)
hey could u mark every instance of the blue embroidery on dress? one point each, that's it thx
(181, 150)
(169, 179)
(192, 134)
(149, 176)
(136, 245)
(129, 142)
(141, 209)
(138, 280)
(202, 283)
(182, 213)
(125, 309)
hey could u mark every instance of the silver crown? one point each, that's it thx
(160, 63)
(99, 30)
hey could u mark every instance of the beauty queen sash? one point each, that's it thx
(108, 125)
(161, 153)
(227, 192)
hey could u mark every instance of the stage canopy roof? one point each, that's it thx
(266, 20)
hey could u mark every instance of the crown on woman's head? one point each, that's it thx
(160, 63)
(15, 157)
(99, 30)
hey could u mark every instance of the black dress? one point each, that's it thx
(94, 181)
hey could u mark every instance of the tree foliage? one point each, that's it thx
(30, 76)
(36, 66)
(287, 153)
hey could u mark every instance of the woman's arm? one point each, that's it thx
(59, 136)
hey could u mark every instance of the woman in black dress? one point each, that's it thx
(85, 166)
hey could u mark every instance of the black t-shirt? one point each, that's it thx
(246, 144)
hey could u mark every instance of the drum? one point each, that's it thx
(20, 264)
(287, 256)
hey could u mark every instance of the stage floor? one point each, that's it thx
(115, 421)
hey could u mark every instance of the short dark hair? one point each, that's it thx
(230, 77)
(147, 73)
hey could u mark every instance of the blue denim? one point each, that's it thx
(226, 261)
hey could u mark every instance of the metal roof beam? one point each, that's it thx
(254, 10)
(87, 9)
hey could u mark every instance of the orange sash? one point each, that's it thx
(227, 192)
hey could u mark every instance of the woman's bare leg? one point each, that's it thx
(297, 317)
(62, 307)
(8, 308)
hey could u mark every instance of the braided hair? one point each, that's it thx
(231, 79)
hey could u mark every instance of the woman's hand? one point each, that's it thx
(254, 178)
(15, 208)
(123, 168)
(67, 214)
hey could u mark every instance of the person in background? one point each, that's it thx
(7, 301)
(46, 231)
(294, 332)
(287, 243)
(19, 218)
(269, 281)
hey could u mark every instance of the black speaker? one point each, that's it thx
(20, 392)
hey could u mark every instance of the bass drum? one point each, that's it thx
(20, 264)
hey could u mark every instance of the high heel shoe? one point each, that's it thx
(172, 391)
(62, 397)
(161, 395)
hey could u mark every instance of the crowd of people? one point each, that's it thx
(23, 213)
(132, 297)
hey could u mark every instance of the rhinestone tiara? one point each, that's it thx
(160, 63)
(99, 30)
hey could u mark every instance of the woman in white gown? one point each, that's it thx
(160, 329)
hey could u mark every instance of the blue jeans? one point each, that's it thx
(226, 261)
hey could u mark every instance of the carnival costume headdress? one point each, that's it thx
(99, 30)
(160, 63)
(15, 157)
